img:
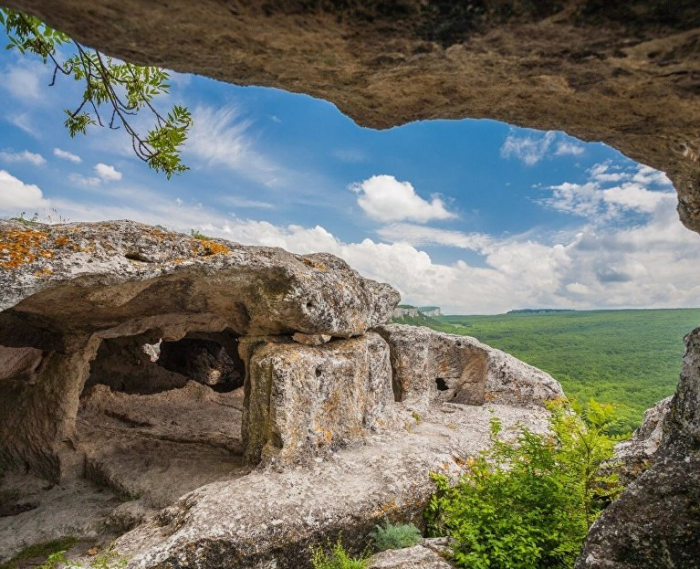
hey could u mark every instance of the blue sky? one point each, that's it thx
(473, 216)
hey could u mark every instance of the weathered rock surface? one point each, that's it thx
(626, 72)
(84, 278)
(634, 455)
(418, 557)
(428, 365)
(81, 302)
(269, 519)
(656, 522)
(304, 400)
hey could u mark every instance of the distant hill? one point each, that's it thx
(539, 310)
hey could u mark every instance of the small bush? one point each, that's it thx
(336, 559)
(529, 503)
(395, 537)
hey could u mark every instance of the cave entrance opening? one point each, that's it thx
(159, 417)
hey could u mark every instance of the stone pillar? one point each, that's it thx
(304, 400)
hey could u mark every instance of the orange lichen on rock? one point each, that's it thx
(210, 247)
(20, 247)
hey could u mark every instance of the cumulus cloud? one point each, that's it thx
(600, 204)
(65, 155)
(24, 156)
(104, 173)
(533, 147)
(15, 195)
(107, 173)
(420, 235)
(384, 198)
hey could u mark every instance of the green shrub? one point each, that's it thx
(529, 503)
(395, 537)
(336, 559)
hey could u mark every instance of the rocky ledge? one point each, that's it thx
(224, 402)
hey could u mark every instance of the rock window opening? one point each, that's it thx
(441, 384)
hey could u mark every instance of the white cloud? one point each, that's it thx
(384, 198)
(24, 156)
(528, 149)
(420, 235)
(237, 201)
(569, 148)
(84, 181)
(602, 173)
(24, 121)
(601, 204)
(24, 81)
(15, 195)
(635, 197)
(107, 173)
(65, 155)
(647, 175)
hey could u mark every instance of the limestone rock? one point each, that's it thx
(624, 72)
(311, 340)
(87, 298)
(302, 399)
(655, 522)
(90, 277)
(636, 454)
(429, 365)
(270, 519)
(418, 557)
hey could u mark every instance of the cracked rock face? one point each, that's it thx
(636, 454)
(626, 73)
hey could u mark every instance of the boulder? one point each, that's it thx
(82, 278)
(417, 557)
(429, 365)
(304, 400)
(655, 522)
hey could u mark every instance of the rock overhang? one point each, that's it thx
(625, 73)
(88, 278)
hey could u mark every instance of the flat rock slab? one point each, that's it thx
(418, 557)
(269, 519)
(158, 447)
(45, 511)
(85, 277)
